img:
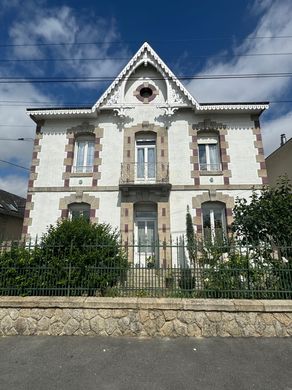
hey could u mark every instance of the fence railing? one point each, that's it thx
(97, 270)
(144, 173)
(200, 282)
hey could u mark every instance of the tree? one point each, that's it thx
(191, 239)
(267, 217)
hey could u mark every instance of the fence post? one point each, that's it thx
(69, 280)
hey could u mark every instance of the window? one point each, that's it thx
(146, 92)
(214, 220)
(79, 210)
(145, 158)
(209, 157)
(84, 154)
(145, 232)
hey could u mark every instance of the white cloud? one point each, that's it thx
(14, 184)
(14, 116)
(62, 25)
(274, 20)
(273, 129)
(38, 22)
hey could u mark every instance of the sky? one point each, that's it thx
(40, 38)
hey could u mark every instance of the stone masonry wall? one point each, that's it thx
(143, 317)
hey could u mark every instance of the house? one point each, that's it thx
(279, 162)
(11, 216)
(145, 151)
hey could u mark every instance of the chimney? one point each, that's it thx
(283, 139)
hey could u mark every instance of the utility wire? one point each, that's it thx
(8, 125)
(128, 58)
(89, 105)
(16, 139)
(139, 41)
(21, 80)
(15, 165)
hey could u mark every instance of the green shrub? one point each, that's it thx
(73, 255)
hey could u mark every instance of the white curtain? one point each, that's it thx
(151, 162)
(214, 157)
(202, 157)
(140, 165)
(80, 156)
(90, 156)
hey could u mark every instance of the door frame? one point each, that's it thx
(140, 256)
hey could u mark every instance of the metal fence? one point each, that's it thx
(97, 270)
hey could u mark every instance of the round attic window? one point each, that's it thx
(146, 92)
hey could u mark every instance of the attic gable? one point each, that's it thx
(177, 93)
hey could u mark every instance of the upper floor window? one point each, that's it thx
(209, 156)
(79, 210)
(84, 154)
(214, 220)
(145, 157)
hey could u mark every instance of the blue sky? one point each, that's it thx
(192, 37)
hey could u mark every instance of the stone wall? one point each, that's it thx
(143, 317)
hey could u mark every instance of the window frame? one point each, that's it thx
(79, 207)
(88, 140)
(206, 140)
(209, 209)
(145, 142)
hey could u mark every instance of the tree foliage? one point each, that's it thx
(267, 217)
(191, 239)
(85, 258)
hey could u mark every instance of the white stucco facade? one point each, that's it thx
(149, 145)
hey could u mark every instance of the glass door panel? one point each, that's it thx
(145, 243)
(151, 163)
(140, 163)
(146, 160)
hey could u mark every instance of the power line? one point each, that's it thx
(89, 105)
(139, 41)
(21, 80)
(128, 58)
(15, 165)
(16, 139)
(8, 125)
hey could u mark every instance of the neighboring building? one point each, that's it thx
(145, 151)
(11, 216)
(280, 161)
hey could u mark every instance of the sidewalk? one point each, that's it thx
(75, 363)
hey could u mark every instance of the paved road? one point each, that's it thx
(49, 363)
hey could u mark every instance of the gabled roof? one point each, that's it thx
(11, 204)
(146, 55)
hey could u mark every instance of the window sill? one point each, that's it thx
(211, 173)
(81, 174)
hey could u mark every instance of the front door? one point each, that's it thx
(145, 243)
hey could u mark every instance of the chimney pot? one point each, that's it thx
(283, 139)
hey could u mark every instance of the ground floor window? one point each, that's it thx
(78, 210)
(214, 220)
